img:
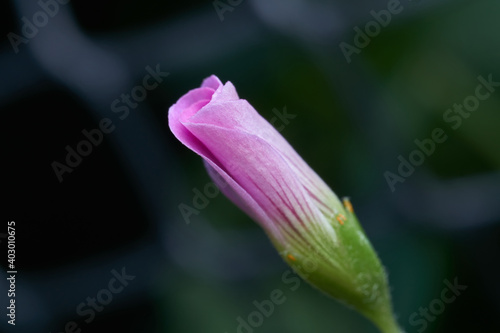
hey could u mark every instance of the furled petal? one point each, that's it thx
(275, 177)
(226, 111)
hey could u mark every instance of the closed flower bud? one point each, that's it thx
(256, 168)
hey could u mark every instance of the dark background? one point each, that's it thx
(118, 208)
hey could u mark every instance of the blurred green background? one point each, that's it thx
(353, 119)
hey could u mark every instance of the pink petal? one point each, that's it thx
(261, 173)
(241, 115)
(175, 113)
(250, 161)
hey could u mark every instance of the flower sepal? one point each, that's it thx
(346, 268)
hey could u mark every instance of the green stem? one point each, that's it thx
(388, 324)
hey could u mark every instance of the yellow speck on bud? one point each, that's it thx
(348, 205)
(341, 218)
(292, 258)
